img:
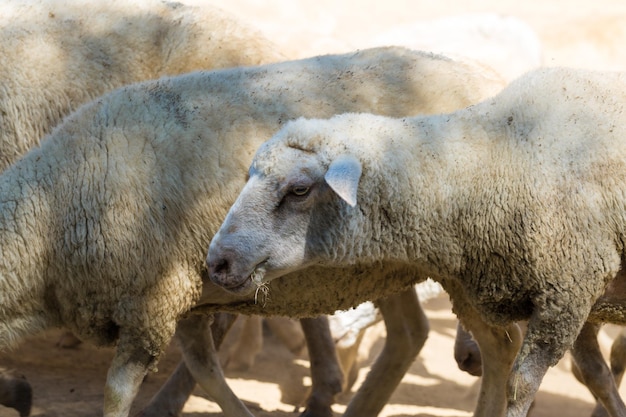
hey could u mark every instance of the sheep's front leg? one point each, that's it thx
(407, 330)
(125, 375)
(498, 347)
(595, 373)
(498, 350)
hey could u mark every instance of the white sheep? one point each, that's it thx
(115, 208)
(516, 205)
(57, 55)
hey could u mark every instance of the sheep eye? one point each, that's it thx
(300, 190)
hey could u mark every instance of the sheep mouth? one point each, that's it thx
(242, 288)
(253, 282)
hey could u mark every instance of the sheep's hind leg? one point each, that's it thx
(595, 373)
(326, 374)
(248, 345)
(498, 350)
(618, 357)
(407, 330)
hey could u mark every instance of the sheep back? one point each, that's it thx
(57, 55)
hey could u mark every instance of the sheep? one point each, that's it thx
(457, 87)
(164, 400)
(588, 341)
(56, 55)
(514, 205)
(144, 40)
(114, 208)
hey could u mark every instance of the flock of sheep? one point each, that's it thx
(135, 135)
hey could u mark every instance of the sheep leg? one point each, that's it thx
(171, 398)
(499, 347)
(200, 355)
(347, 356)
(595, 373)
(326, 375)
(528, 371)
(291, 333)
(618, 357)
(15, 392)
(128, 368)
(498, 350)
(248, 346)
(407, 330)
(543, 346)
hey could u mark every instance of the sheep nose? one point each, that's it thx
(218, 266)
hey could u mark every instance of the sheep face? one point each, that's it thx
(285, 218)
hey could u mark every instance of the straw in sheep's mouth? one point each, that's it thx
(261, 287)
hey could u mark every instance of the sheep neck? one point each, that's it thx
(427, 202)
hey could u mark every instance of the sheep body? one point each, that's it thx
(57, 55)
(518, 201)
(116, 206)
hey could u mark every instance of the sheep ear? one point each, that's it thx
(343, 177)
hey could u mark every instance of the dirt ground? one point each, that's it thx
(68, 383)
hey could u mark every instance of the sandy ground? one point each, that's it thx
(68, 383)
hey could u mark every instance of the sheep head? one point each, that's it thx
(287, 215)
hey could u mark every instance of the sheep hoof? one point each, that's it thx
(317, 412)
(16, 392)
